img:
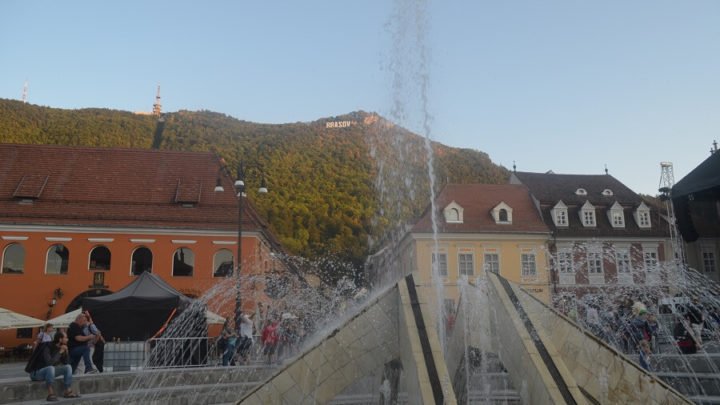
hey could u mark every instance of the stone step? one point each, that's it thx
(22, 389)
(705, 400)
(699, 363)
(693, 384)
(180, 395)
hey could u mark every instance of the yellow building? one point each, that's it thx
(479, 227)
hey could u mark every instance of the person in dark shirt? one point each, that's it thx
(78, 344)
(52, 360)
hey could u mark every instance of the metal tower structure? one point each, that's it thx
(157, 107)
(24, 99)
(667, 181)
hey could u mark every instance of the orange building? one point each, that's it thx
(80, 221)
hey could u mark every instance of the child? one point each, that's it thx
(645, 354)
(45, 335)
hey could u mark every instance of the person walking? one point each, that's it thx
(51, 360)
(246, 338)
(228, 334)
(78, 344)
(270, 339)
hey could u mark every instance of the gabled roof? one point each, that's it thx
(477, 201)
(550, 187)
(114, 187)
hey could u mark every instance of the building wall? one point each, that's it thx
(509, 249)
(30, 293)
(704, 255)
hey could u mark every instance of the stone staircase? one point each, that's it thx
(208, 385)
(696, 376)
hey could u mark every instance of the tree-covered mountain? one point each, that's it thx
(339, 185)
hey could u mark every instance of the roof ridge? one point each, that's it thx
(107, 148)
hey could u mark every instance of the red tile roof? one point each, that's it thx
(477, 201)
(116, 188)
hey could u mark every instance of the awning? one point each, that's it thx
(14, 320)
(64, 320)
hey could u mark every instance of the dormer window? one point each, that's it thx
(502, 213)
(453, 213)
(581, 191)
(587, 215)
(560, 214)
(607, 192)
(616, 216)
(642, 216)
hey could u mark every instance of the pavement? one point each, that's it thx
(13, 371)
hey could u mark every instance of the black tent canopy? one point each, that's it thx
(137, 311)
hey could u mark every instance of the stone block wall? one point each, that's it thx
(604, 373)
(361, 346)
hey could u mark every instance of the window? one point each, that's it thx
(223, 263)
(622, 260)
(13, 261)
(708, 261)
(492, 262)
(595, 265)
(142, 260)
(24, 333)
(559, 214)
(642, 216)
(565, 262)
(581, 191)
(441, 264)
(57, 259)
(453, 213)
(183, 262)
(528, 265)
(465, 264)
(651, 260)
(607, 192)
(503, 215)
(616, 216)
(587, 214)
(100, 258)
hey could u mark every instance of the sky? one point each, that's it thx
(569, 86)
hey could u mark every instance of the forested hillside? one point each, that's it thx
(336, 189)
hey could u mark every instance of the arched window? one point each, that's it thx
(142, 259)
(13, 259)
(223, 263)
(100, 258)
(453, 215)
(503, 215)
(183, 262)
(58, 257)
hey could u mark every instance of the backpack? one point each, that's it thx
(36, 361)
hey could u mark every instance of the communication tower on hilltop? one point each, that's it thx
(25, 92)
(667, 181)
(157, 107)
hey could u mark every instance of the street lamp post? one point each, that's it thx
(239, 186)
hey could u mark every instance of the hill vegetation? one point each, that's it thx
(337, 190)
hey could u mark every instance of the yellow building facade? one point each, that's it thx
(480, 227)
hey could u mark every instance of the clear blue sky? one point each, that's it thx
(562, 85)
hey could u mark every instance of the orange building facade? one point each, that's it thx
(80, 222)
